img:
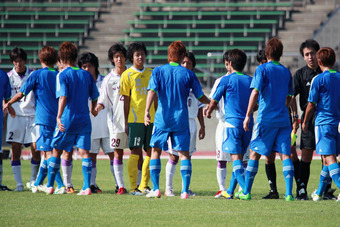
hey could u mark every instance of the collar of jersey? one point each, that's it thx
(332, 70)
(174, 64)
(275, 62)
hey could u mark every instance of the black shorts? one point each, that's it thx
(308, 138)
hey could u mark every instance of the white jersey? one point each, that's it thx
(99, 123)
(193, 105)
(220, 114)
(25, 106)
(113, 102)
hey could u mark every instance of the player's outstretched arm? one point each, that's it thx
(251, 105)
(309, 113)
(61, 108)
(151, 96)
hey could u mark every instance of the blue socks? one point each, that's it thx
(53, 169)
(324, 179)
(155, 169)
(288, 173)
(42, 173)
(87, 170)
(251, 172)
(186, 174)
(334, 172)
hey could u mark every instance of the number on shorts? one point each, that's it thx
(10, 135)
(115, 142)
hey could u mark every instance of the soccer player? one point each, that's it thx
(272, 87)
(20, 130)
(324, 100)
(195, 109)
(43, 84)
(235, 90)
(133, 87)
(111, 101)
(5, 94)
(74, 88)
(100, 131)
(172, 83)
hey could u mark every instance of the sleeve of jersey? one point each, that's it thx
(220, 89)
(196, 87)
(28, 86)
(61, 87)
(124, 85)
(257, 80)
(153, 85)
(314, 91)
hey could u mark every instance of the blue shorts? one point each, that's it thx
(327, 140)
(180, 141)
(267, 139)
(44, 137)
(235, 140)
(66, 141)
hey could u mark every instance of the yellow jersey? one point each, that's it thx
(134, 83)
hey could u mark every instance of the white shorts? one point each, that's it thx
(104, 143)
(21, 130)
(220, 155)
(193, 137)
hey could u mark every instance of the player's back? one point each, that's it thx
(78, 86)
(275, 84)
(328, 108)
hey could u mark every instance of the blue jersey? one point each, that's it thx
(235, 90)
(42, 82)
(78, 86)
(172, 83)
(325, 94)
(274, 83)
(5, 92)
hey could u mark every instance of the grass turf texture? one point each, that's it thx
(26, 208)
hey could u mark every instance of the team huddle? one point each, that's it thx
(75, 109)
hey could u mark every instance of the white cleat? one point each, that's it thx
(315, 196)
(19, 188)
(154, 194)
(169, 192)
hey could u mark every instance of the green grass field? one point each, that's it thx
(26, 208)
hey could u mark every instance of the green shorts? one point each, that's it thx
(140, 135)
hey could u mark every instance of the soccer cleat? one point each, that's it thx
(4, 188)
(98, 189)
(185, 195)
(136, 192)
(49, 190)
(93, 189)
(146, 190)
(191, 193)
(121, 191)
(315, 196)
(271, 195)
(19, 188)
(85, 192)
(60, 191)
(169, 192)
(244, 197)
(289, 198)
(70, 190)
(154, 194)
(218, 194)
(329, 195)
(226, 195)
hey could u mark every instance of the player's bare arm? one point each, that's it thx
(251, 105)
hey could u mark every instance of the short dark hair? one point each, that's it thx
(48, 56)
(238, 59)
(89, 57)
(17, 53)
(274, 49)
(309, 43)
(327, 56)
(192, 58)
(133, 47)
(115, 48)
(68, 52)
(225, 56)
(261, 56)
